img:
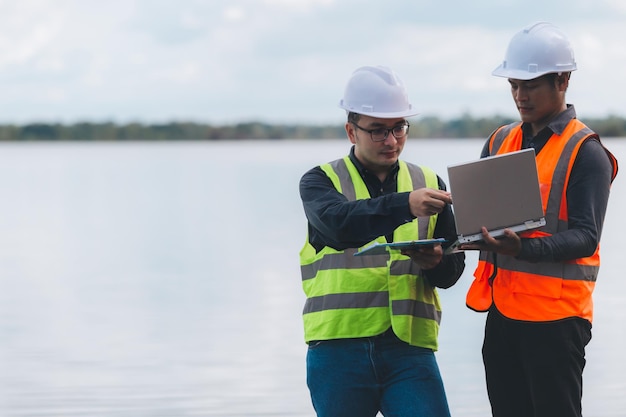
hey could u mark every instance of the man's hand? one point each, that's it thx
(426, 256)
(427, 202)
(508, 244)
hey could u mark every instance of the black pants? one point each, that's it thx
(535, 369)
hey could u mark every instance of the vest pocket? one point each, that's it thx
(537, 285)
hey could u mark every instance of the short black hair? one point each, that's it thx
(555, 77)
(353, 117)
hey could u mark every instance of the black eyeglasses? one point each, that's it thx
(380, 133)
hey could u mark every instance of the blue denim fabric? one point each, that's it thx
(360, 377)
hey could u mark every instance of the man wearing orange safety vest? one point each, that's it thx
(537, 286)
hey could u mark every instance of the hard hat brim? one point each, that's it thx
(517, 74)
(380, 115)
(523, 75)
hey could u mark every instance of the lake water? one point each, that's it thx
(162, 279)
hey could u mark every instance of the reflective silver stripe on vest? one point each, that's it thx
(371, 299)
(346, 300)
(411, 307)
(418, 180)
(404, 266)
(416, 309)
(417, 175)
(343, 260)
(347, 260)
(553, 223)
(500, 135)
(566, 271)
(347, 187)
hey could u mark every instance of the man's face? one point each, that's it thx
(376, 156)
(539, 100)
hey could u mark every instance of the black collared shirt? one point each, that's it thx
(587, 196)
(338, 223)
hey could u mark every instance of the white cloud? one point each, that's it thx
(234, 14)
(279, 60)
(300, 5)
(617, 5)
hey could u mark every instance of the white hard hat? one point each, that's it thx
(537, 50)
(377, 92)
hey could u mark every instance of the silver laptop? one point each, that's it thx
(498, 192)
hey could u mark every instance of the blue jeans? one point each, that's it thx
(360, 377)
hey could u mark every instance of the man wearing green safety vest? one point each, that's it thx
(371, 322)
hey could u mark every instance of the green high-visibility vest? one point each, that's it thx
(359, 296)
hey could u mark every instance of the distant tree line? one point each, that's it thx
(465, 126)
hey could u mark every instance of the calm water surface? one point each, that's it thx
(161, 279)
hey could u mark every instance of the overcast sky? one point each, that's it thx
(284, 61)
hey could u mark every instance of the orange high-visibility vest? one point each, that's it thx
(542, 291)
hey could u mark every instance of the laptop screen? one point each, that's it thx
(497, 192)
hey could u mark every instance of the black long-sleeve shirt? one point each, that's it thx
(338, 223)
(587, 197)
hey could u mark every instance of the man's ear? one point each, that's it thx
(350, 131)
(562, 81)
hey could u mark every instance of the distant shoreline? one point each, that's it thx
(426, 127)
